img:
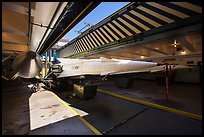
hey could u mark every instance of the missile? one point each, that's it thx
(105, 66)
(102, 67)
(27, 64)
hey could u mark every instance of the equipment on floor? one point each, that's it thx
(86, 91)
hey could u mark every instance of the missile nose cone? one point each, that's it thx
(28, 65)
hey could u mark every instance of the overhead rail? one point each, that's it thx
(71, 15)
(53, 17)
(131, 23)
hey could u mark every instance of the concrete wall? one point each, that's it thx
(148, 76)
(182, 75)
(187, 75)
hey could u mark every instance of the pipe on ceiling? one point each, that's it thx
(7, 58)
(62, 15)
(53, 17)
(61, 31)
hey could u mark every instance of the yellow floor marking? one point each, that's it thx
(76, 114)
(186, 114)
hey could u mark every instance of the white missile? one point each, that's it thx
(102, 66)
(27, 65)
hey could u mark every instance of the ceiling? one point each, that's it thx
(188, 49)
(37, 25)
(31, 25)
(144, 31)
(18, 32)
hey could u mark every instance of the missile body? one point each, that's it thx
(102, 66)
(27, 65)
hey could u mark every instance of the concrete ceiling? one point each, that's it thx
(28, 25)
(18, 23)
(188, 48)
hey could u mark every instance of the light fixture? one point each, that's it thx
(141, 57)
(175, 44)
(183, 52)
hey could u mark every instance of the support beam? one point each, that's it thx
(185, 43)
(18, 7)
(16, 20)
(9, 37)
(167, 82)
(14, 47)
(157, 51)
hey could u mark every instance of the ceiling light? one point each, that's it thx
(183, 52)
(175, 44)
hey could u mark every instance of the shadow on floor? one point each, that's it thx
(15, 108)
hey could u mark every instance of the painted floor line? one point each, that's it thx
(186, 114)
(76, 114)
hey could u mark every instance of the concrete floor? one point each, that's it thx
(27, 113)
(108, 114)
(115, 116)
(15, 108)
(185, 97)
